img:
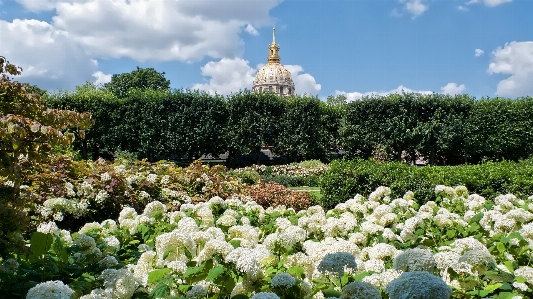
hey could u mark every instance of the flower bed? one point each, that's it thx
(375, 247)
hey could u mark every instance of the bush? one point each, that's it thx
(248, 176)
(273, 195)
(346, 178)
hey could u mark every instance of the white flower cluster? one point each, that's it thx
(50, 290)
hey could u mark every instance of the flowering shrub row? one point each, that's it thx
(461, 245)
(72, 192)
(345, 178)
(306, 173)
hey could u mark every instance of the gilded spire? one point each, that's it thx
(274, 48)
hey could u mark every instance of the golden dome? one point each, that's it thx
(273, 76)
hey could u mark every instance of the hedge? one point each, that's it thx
(347, 178)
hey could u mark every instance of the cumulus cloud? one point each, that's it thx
(354, 96)
(251, 30)
(38, 5)
(48, 56)
(101, 78)
(155, 30)
(514, 59)
(226, 76)
(304, 83)
(453, 88)
(231, 75)
(414, 7)
(490, 3)
(161, 30)
(478, 52)
(462, 8)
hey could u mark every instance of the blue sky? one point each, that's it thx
(351, 47)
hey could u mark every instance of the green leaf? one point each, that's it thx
(476, 218)
(493, 287)
(451, 233)
(331, 293)
(41, 243)
(296, 271)
(509, 266)
(501, 247)
(156, 275)
(240, 296)
(235, 243)
(214, 273)
(160, 291)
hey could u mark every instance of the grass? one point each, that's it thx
(314, 191)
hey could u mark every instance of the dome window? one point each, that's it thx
(270, 88)
(281, 89)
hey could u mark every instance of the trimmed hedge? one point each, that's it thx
(346, 178)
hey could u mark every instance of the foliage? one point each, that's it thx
(29, 131)
(462, 241)
(74, 192)
(139, 79)
(272, 195)
(346, 178)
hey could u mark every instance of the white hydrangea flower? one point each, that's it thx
(379, 193)
(48, 228)
(50, 290)
(112, 241)
(415, 259)
(9, 266)
(101, 196)
(108, 262)
(152, 178)
(90, 226)
(154, 207)
(525, 272)
(381, 280)
(226, 220)
(121, 283)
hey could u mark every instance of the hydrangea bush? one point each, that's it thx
(460, 246)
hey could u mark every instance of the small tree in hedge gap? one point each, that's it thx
(29, 132)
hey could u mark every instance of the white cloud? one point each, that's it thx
(227, 76)
(157, 30)
(414, 7)
(38, 5)
(478, 52)
(101, 78)
(514, 59)
(251, 30)
(49, 57)
(490, 3)
(231, 75)
(462, 8)
(161, 30)
(304, 83)
(453, 88)
(354, 96)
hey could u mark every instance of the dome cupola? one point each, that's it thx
(273, 76)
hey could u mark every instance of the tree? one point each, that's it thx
(140, 78)
(28, 133)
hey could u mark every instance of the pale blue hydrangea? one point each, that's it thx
(283, 280)
(337, 263)
(265, 295)
(360, 290)
(419, 285)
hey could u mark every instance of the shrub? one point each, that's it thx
(346, 178)
(273, 195)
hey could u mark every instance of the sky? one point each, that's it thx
(483, 48)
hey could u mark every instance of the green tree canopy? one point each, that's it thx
(140, 78)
